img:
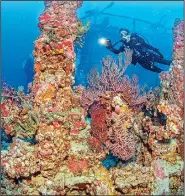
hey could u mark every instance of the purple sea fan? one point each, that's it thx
(112, 80)
(109, 78)
(89, 96)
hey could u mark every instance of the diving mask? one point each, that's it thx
(125, 35)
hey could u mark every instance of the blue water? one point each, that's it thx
(19, 31)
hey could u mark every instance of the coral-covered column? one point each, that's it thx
(61, 114)
(172, 99)
(168, 167)
(60, 118)
(54, 56)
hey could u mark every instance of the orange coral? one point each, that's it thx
(25, 111)
(38, 67)
(9, 131)
(49, 94)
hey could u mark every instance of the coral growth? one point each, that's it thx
(122, 142)
(18, 116)
(20, 160)
(77, 165)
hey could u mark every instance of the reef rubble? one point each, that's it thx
(109, 138)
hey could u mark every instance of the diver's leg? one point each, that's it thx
(157, 59)
(150, 66)
(153, 68)
(163, 61)
(156, 69)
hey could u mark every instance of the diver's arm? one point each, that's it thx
(112, 49)
(116, 51)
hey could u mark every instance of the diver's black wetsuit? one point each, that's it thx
(142, 53)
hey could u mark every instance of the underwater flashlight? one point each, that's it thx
(102, 41)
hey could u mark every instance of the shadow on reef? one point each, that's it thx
(110, 161)
(158, 118)
(28, 67)
(6, 140)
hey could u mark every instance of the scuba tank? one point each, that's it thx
(144, 38)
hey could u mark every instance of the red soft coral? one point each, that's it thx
(99, 127)
(95, 144)
(45, 17)
(4, 111)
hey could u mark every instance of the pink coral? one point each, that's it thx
(4, 111)
(74, 132)
(45, 17)
(117, 109)
(158, 170)
(89, 96)
(122, 144)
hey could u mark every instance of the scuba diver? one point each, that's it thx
(143, 53)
